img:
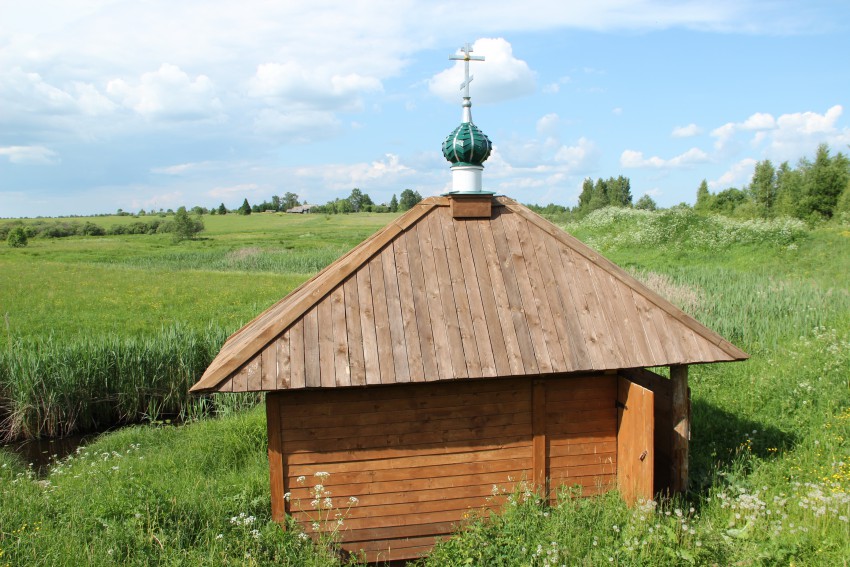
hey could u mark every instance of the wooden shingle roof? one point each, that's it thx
(432, 297)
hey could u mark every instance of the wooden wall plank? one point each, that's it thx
(342, 366)
(327, 364)
(539, 457)
(635, 441)
(298, 376)
(353, 326)
(395, 316)
(275, 452)
(284, 370)
(312, 369)
(268, 367)
(458, 345)
(410, 328)
(421, 305)
(367, 326)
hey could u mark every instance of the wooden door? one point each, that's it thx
(635, 441)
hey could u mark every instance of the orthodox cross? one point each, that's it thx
(466, 58)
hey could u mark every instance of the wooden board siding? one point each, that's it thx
(434, 297)
(419, 458)
(635, 440)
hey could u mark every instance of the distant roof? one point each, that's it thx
(431, 297)
(300, 209)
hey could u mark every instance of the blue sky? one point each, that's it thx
(108, 104)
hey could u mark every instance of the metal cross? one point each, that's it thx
(466, 58)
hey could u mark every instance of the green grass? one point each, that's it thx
(770, 447)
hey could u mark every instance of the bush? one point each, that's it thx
(17, 237)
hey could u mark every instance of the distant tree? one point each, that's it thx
(142, 212)
(619, 192)
(703, 197)
(646, 203)
(586, 194)
(275, 202)
(222, 210)
(393, 204)
(599, 196)
(186, 227)
(245, 209)
(727, 200)
(197, 210)
(408, 198)
(17, 237)
(359, 200)
(763, 188)
(824, 182)
(289, 201)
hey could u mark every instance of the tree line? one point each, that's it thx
(814, 190)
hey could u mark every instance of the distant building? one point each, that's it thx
(302, 209)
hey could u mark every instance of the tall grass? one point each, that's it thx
(51, 387)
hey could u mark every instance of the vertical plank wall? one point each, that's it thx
(420, 457)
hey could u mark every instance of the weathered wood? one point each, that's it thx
(471, 206)
(367, 327)
(420, 305)
(412, 353)
(268, 368)
(386, 364)
(284, 370)
(539, 457)
(276, 469)
(353, 326)
(327, 364)
(298, 375)
(312, 368)
(342, 366)
(681, 428)
(439, 326)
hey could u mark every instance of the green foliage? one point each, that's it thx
(393, 204)
(408, 199)
(17, 237)
(605, 192)
(245, 208)
(646, 203)
(186, 227)
(222, 210)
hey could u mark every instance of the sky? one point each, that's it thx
(153, 104)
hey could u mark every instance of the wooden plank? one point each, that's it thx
(284, 369)
(632, 321)
(367, 326)
(268, 368)
(439, 327)
(494, 358)
(530, 312)
(614, 317)
(416, 368)
(312, 369)
(342, 369)
(413, 508)
(573, 294)
(461, 349)
(471, 207)
(254, 371)
(382, 325)
(671, 345)
(276, 470)
(420, 305)
(262, 329)
(426, 423)
(356, 360)
(240, 380)
(513, 298)
(681, 428)
(569, 296)
(327, 364)
(395, 315)
(584, 450)
(602, 336)
(540, 295)
(654, 340)
(566, 467)
(298, 377)
(635, 441)
(393, 440)
(539, 458)
(312, 458)
(459, 266)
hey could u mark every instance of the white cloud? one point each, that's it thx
(29, 155)
(500, 77)
(688, 131)
(578, 157)
(300, 126)
(548, 125)
(378, 173)
(239, 190)
(311, 87)
(182, 168)
(617, 111)
(737, 175)
(168, 93)
(636, 159)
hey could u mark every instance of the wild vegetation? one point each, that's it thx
(770, 460)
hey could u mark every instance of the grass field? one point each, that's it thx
(770, 460)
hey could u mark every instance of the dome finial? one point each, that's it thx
(467, 147)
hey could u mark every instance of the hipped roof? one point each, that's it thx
(431, 297)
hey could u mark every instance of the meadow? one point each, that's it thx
(770, 447)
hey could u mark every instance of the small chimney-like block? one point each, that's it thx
(471, 206)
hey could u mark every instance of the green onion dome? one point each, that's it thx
(467, 145)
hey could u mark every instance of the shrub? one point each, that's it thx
(17, 237)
